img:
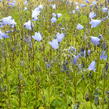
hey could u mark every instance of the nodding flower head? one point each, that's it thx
(94, 2)
(3, 35)
(72, 49)
(82, 5)
(103, 55)
(8, 21)
(37, 36)
(104, 9)
(87, 1)
(53, 19)
(92, 66)
(53, 6)
(56, 15)
(92, 15)
(75, 59)
(28, 25)
(59, 15)
(26, 2)
(54, 44)
(60, 36)
(36, 12)
(79, 27)
(13, 3)
(77, 8)
(95, 40)
(94, 23)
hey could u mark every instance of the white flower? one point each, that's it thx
(37, 36)
(94, 23)
(25, 8)
(54, 44)
(79, 27)
(73, 11)
(53, 6)
(28, 25)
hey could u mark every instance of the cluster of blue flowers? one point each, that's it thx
(29, 25)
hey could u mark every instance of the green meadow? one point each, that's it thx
(35, 75)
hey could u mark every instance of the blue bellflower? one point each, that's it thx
(79, 27)
(3, 35)
(92, 15)
(92, 66)
(53, 19)
(103, 56)
(60, 36)
(28, 25)
(37, 36)
(94, 23)
(95, 40)
(54, 44)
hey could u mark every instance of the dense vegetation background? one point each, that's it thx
(54, 54)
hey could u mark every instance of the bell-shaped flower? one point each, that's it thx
(92, 66)
(53, 19)
(28, 25)
(53, 6)
(87, 1)
(35, 15)
(72, 49)
(73, 12)
(95, 40)
(60, 36)
(79, 27)
(8, 21)
(3, 35)
(92, 15)
(54, 14)
(89, 51)
(75, 59)
(36, 12)
(94, 2)
(104, 9)
(77, 8)
(12, 3)
(37, 36)
(54, 44)
(25, 8)
(94, 23)
(59, 15)
(82, 5)
(26, 2)
(103, 56)
(40, 7)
